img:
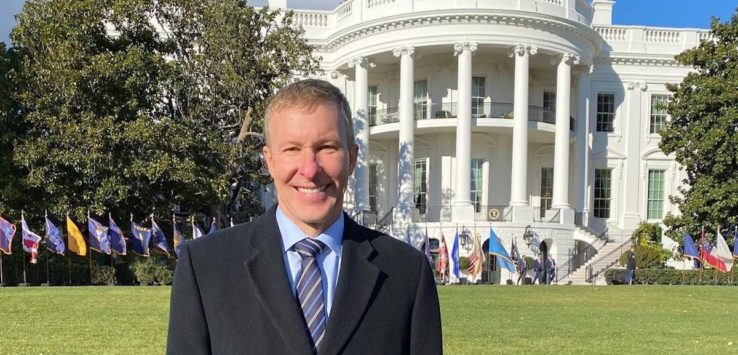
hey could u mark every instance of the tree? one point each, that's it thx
(647, 233)
(12, 128)
(137, 105)
(702, 133)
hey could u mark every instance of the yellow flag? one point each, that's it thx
(75, 241)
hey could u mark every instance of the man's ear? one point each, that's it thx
(268, 157)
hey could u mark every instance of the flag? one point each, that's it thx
(690, 250)
(708, 256)
(160, 240)
(54, 241)
(476, 259)
(30, 240)
(98, 236)
(117, 239)
(455, 256)
(196, 232)
(140, 240)
(179, 239)
(735, 243)
(75, 241)
(213, 226)
(442, 257)
(722, 252)
(426, 247)
(7, 231)
(514, 253)
(496, 248)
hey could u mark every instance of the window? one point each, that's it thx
(372, 100)
(477, 183)
(605, 112)
(421, 185)
(478, 96)
(546, 189)
(373, 187)
(421, 99)
(658, 112)
(655, 194)
(602, 193)
(549, 107)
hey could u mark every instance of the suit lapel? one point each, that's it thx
(265, 269)
(357, 280)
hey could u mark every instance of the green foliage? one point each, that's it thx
(647, 233)
(120, 115)
(154, 270)
(463, 264)
(701, 133)
(102, 274)
(673, 277)
(647, 256)
(529, 261)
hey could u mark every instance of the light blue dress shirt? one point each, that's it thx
(328, 261)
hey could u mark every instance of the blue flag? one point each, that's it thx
(117, 240)
(179, 239)
(213, 226)
(54, 241)
(99, 239)
(7, 231)
(735, 243)
(455, 255)
(160, 240)
(690, 250)
(496, 249)
(140, 240)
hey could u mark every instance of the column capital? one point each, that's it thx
(462, 46)
(358, 61)
(523, 49)
(334, 74)
(400, 51)
(567, 58)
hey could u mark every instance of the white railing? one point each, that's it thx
(311, 19)
(662, 36)
(613, 33)
(345, 9)
(557, 2)
(705, 35)
(375, 3)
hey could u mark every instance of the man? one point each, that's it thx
(631, 264)
(551, 269)
(304, 278)
(522, 269)
(538, 270)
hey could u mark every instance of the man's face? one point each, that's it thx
(310, 162)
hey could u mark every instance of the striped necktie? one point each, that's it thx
(310, 289)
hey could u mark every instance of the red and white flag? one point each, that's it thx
(722, 252)
(30, 241)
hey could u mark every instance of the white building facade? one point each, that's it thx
(537, 115)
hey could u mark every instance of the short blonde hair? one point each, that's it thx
(309, 93)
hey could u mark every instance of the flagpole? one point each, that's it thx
(48, 279)
(2, 283)
(89, 245)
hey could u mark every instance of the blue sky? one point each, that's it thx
(659, 13)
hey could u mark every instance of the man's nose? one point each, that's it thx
(309, 166)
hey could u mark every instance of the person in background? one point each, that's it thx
(538, 270)
(631, 264)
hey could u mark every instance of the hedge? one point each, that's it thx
(673, 277)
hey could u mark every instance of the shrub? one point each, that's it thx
(647, 233)
(154, 270)
(463, 264)
(673, 277)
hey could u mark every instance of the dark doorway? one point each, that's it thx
(490, 270)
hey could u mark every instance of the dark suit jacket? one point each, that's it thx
(231, 295)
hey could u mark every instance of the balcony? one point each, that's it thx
(503, 110)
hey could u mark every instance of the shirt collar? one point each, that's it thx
(291, 233)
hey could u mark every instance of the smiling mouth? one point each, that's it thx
(312, 190)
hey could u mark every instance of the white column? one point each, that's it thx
(463, 208)
(582, 143)
(561, 181)
(632, 197)
(518, 188)
(361, 128)
(405, 205)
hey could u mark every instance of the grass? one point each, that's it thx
(476, 320)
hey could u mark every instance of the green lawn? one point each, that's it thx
(476, 319)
